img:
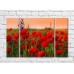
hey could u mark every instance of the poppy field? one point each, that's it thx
(37, 41)
(12, 42)
(61, 43)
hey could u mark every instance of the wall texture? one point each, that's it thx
(36, 14)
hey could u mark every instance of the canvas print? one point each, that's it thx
(12, 36)
(37, 37)
(61, 29)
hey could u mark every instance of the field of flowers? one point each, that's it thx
(37, 43)
(12, 43)
(33, 43)
(62, 43)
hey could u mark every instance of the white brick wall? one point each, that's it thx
(34, 14)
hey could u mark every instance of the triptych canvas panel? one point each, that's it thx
(37, 37)
(12, 37)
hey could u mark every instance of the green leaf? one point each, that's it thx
(24, 54)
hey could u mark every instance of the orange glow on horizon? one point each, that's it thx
(39, 23)
(12, 23)
(61, 23)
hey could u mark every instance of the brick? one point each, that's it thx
(66, 13)
(2, 20)
(32, 16)
(71, 54)
(24, 60)
(72, 36)
(2, 36)
(12, 13)
(2, 41)
(71, 32)
(72, 18)
(2, 32)
(3, 27)
(9, 60)
(68, 59)
(4, 46)
(34, 13)
(44, 59)
(1, 54)
(32, 59)
(71, 50)
(72, 13)
(72, 44)
(57, 13)
(71, 22)
(47, 59)
(69, 36)
(1, 45)
(69, 45)
(71, 40)
(51, 13)
(43, 13)
(4, 12)
(24, 13)
(71, 27)
(0, 59)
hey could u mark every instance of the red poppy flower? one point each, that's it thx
(9, 38)
(57, 37)
(66, 38)
(15, 35)
(10, 29)
(23, 37)
(49, 34)
(23, 47)
(15, 41)
(57, 32)
(51, 39)
(44, 44)
(41, 54)
(62, 33)
(33, 42)
(48, 40)
(60, 38)
(8, 50)
(65, 47)
(33, 50)
(34, 34)
(29, 41)
(39, 34)
(58, 44)
(23, 32)
(27, 35)
(28, 44)
(59, 52)
(42, 38)
(38, 43)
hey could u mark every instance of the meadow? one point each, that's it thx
(37, 43)
(61, 43)
(12, 42)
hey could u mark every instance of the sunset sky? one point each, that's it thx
(38, 23)
(61, 23)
